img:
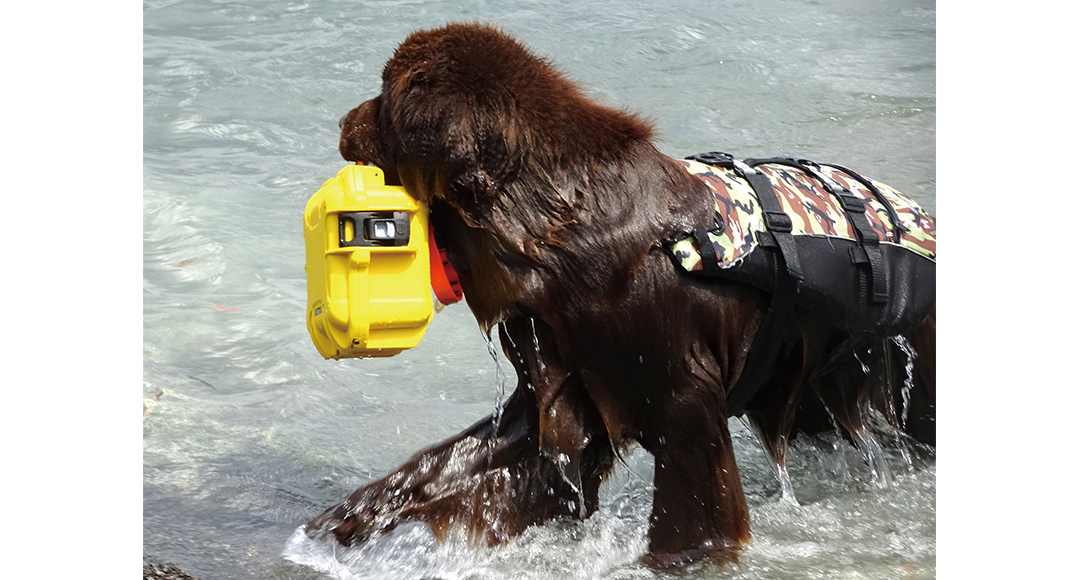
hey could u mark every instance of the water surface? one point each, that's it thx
(249, 432)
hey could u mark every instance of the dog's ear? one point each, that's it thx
(451, 99)
(442, 124)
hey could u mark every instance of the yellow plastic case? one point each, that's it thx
(369, 283)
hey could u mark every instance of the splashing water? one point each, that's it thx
(574, 481)
(868, 445)
(500, 384)
(607, 545)
(602, 547)
(536, 341)
(871, 449)
(909, 380)
(787, 489)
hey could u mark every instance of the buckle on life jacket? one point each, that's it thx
(716, 158)
(777, 221)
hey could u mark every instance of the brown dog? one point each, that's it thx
(552, 209)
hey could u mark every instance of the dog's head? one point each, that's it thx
(535, 189)
(465, 109)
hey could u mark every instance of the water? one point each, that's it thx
(248, 432)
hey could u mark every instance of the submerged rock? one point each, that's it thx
(154, 570)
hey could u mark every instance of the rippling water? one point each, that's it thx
(249, 432)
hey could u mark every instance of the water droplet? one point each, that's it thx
(865, 369)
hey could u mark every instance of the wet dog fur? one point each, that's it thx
(552, 209)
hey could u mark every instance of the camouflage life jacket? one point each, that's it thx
(817, 237)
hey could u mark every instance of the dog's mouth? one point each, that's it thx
(352, 152)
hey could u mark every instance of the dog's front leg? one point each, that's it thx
(492, 480)
(699, 509)
(570, 429)
(487, 480)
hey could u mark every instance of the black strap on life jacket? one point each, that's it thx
(779, 330)
(898, 227)
(710, 261)
(868, 250)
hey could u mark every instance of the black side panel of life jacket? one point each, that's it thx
(835, 285)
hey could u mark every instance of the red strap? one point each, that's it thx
(444, 279)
